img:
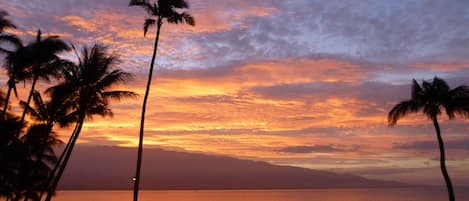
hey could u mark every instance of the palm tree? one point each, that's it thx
(56, 110)
(41, 56)
(88, 86)
(161, 10)
(431, 97)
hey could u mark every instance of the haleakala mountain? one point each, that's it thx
(110, 167)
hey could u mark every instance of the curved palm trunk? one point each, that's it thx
(441, 145)
(7, 99)
(52, 174)
(142, 118)
(29, 101)
(66, 158)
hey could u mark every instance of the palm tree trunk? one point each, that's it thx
(449, 185)
(7, 99)
(52, 174)
(29, 100)
(75, 135)
(142, 118)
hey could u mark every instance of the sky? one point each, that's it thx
(302, 82)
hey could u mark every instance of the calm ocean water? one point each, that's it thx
(417, 194)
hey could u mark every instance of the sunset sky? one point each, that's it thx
(303, 83)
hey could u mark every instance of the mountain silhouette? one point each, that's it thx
(108, 167)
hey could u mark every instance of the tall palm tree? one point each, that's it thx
(88, 85)
(430, 98)
(158, 12)
(41, 56)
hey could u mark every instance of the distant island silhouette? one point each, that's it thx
(92, 169)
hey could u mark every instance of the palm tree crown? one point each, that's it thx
(88, 84)
(431, 97)
(164, 9)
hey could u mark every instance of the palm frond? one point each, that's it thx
(181, 18)
(149, 8)
(189, 19)
(118, 95)
(401, 110)
(31, 111)
(11, 40)
(148, 24)
(112, 78)
(40, 106)
(459, 104)
(440, 84)
(180, 4)
(416, 90)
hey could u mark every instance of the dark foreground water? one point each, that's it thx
(416, 194)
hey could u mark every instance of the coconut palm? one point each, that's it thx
(54, 111)
(41, 57)
(431, 98)
(88, 85)
(159, 11)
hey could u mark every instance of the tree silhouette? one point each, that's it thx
(56, 110)
(51, 112)
(14, 42)
(38, 141)
(12, 155)
(88, 85)
(41, 57)
(430, 98)
(158, 11)
(14, 71)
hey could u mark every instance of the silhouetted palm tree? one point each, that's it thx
(41, 56)
(88, 86)
(158, 11)
(56, 110)
(431, 97)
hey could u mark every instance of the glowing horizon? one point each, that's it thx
(288, 83)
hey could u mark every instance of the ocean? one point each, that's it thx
(391, 194)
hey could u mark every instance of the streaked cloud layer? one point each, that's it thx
(305, 83)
